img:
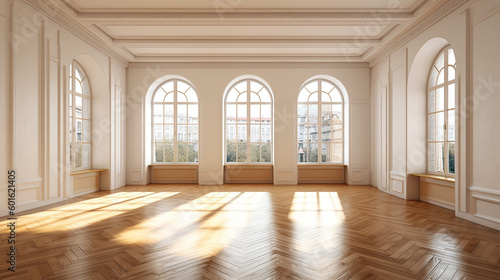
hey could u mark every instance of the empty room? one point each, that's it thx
(249, 139)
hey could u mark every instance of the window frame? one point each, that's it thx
(248, 123)
(175, 122)
(320, 103)
(72, 122)
(445, 85)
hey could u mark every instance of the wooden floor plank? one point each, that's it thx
(251, 232)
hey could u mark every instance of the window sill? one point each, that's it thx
(86, 171)
(435, 177)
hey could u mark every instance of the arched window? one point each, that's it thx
(249, 118)
(320, 121)
(80, 113)
(441, 114)
(175, 123)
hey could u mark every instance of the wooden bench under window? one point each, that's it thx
(438, 190)
(85, 181)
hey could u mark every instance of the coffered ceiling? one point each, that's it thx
(248, 30)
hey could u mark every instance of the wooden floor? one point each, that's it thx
(249, 232)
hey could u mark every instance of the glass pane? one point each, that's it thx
(169, 98)
(312, 152)
(431, 101)
(255, 133)
(301, 133)
(181, 133)
(440, 61)
(78, 155)
(303, 96)
(182, 152)
(451, 125)
(182, 87)
(191, 96)
(302, 113)
(326, 87)
(193, 113)
(337, 133)
(157, 113)
(325, 152)
(451, 157)
(451, 96)
(326, 114)
(336, 96)
(242, 132)
(193, 133)
(242, 98)
(86, 156)
(451, 57)
(158, 152)
(168, 133)
(440, 99)
(312, 87)
(192, 152)
(313, 133)
(231, 132)
(242, 152)
(440, 79)
(265, 133)
(337, 152)
(451, 73)
(440, 126)
(242, 113)
(159, 96)
(71, 155)
(265, 111)
(302, 153)
(265, 96)
(265, 152)
(231, 113)
(181, 113)
(254, 97)
(440, 157)
(230, 151)
(313, 97)
(79, 130)
(241, 86)
(78, 87)
(181, 97)
(255, 113)
(169, 152)
(78, 106)
(232, 95)
(313, 113)
(168, 87)
(254, 152)
(71, 104)
(255, 87)
(433, 77)
(431, 156)
(86, 108)
(158, 133)
(325, 98)
(86, 131)
(169, 113)
(337, 116)
(70, 129)
(86, 87)
(431, 127)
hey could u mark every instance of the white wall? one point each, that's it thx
(398, 92)
(34, 122)
(285, 80)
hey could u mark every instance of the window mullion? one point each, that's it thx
(248, 122)
(175, 122)
(320, 124)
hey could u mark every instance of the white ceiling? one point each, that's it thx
(208, 30)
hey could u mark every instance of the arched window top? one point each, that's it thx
(446, 58)
(81, 83)
(175, 89)
(320, 90)
(248, 89)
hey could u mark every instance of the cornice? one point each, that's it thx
(248, 59)
(60, 13)
(375, 56)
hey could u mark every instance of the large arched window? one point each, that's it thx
(249, 118)
(80, 112)
(320, 121)
(441, 114)
(175, 123)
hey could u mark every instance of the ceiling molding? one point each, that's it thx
(375, 56)
(248, 59)
(59, 12)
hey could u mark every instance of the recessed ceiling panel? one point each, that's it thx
(232, 5)
(130, 32)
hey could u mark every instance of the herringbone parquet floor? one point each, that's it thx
(249, 232)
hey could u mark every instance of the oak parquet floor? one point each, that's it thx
(248, 232)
